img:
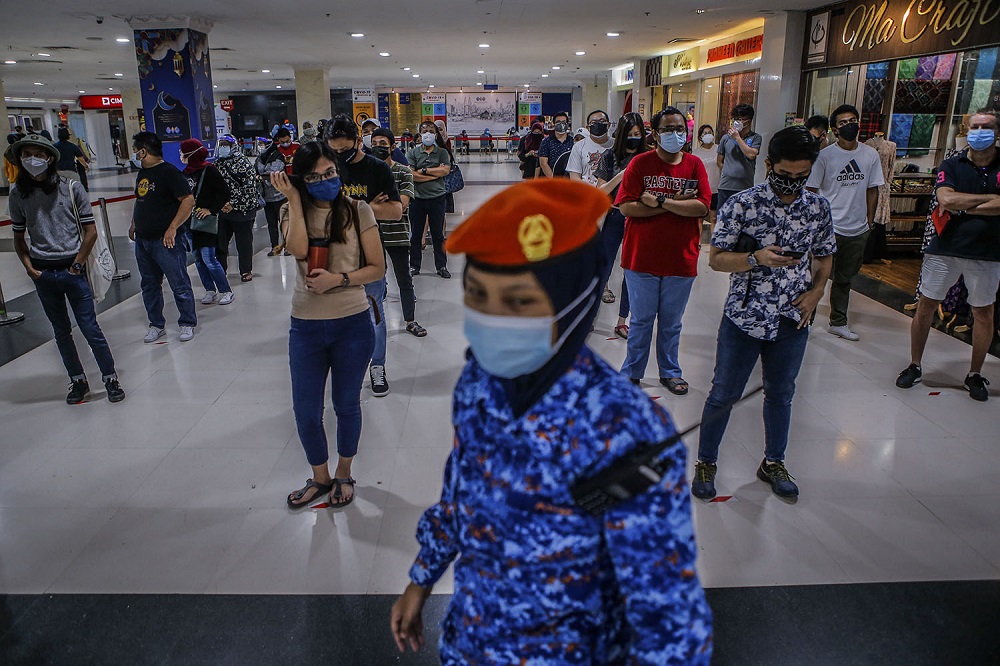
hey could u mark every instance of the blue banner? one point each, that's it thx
(383, 109)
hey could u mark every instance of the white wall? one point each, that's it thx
(99, 137)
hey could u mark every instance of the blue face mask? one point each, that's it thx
(672, 142)
(224, 151)
(509, 347)
(324, 190)
(981, 139)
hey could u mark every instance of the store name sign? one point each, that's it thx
(100, 101)
(743, 47)
(872, 31)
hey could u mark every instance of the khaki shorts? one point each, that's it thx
(939, 274)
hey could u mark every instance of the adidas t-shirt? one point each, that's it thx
(843, 178)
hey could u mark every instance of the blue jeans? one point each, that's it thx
(376, 291)
(340, 349)
(156, 261)
(661, 300)
(735, 359)
(213, 275)
(54, 288)
(611, 237)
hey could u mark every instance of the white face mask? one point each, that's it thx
(428, 139)
(367, 141)
(36, 166)
(738, 125)
(707, 139)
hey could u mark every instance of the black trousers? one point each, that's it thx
(240, 225)
(400, 259)
(271, 211)
(422, 211)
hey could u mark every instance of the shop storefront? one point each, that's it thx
(915, 70)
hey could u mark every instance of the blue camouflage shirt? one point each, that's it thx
(805, 225)
(538, 581)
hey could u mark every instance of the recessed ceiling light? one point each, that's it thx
(119, 74)
(581, 53)
(265, 71)
(416, 76)
(545, 76)
(10, 62)
(111, 89)
(123, 40)
(357, 34)
(614, 34)
(82, 91)
(39, 83)
(43, 55)
(384, 54)
(526, 85)
(480, 71)
(479, 83)
(406, 69)
(431, 85)
(699, 11)
(484, 46)
(557, 67)
(215, 85)
(278, 87)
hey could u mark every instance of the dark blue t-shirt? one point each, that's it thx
(969, 235)
(68, 152)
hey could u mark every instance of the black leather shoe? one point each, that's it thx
(443, 272)
(78, 392)
(115, 391)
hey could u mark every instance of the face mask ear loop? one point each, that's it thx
(588, 292)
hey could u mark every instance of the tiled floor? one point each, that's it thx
(181, 488)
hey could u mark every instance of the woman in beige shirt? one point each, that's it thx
(337, 249)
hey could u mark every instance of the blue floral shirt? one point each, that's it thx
(805, 225)
(537, 580)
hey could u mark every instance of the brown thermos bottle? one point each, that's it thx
(319, 249)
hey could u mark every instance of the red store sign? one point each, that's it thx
(227, 105)
(744, 47)
(100, 101)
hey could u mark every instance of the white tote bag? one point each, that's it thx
(100, 265)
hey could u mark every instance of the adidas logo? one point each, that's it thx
(850, 172)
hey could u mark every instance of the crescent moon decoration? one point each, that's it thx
(162, 102)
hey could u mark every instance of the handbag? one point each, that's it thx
(208, 224)
(454, 181)
(100, 264)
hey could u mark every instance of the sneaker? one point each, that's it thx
(703, 484)
(443, 272)
(844, 332)
(77, 392)
(187, 332)
(907, 378)
(414, 271)
(380, 385)
(153, 334)
(227, 298)
(115, 391)
(209, 298)
(976, 385)
(778, 477)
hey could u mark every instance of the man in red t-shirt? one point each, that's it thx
(663, 194)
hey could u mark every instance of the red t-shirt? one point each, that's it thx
(665, 245)
(288, 154)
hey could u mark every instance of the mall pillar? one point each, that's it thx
(780, 73)
(312, 96)
(133, 113)
(642, 96)
(595, 96)
(4, 185)
(175, 79)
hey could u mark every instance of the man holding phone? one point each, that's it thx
(848, 174)
(777, 241)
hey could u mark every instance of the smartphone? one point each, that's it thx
(791, 254)
(691, 187)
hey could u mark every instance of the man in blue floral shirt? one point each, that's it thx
(777, 241)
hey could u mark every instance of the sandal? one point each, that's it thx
(621, 330)
(338, 494)
(246, 277)
(415, 329)
(295, 499)
(609, 296)
(675, 385)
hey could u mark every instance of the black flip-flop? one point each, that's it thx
(675, 385)
(321, 488)
(337, 494)
(415, 329)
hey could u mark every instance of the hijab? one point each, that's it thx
(197, 156)
(533, 141)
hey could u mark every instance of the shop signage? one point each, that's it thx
(531, 97)
(739, 49)
(873, 31)
(363, 95)
(226, 105)
(100, 101)
(684, 62)
(491, 86)
(818, 37)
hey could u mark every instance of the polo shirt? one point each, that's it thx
(969, 235)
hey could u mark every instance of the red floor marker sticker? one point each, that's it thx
(721, 498)
(321, 505)
(655, 397)
(162, 343)
(612, 338)
(934, 393)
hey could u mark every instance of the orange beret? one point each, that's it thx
(531, 222)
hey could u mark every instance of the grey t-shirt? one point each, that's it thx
(419, 159)
(737, 170)
(50, 222)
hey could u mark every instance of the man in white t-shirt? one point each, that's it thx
(586, 154)
(848, 174)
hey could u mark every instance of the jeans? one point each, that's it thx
(239, 225)
(846, 264)
(611, 237)
(54, 288)
(422, 210)
(735, 359)
(340, 349)
(659, 299)
(155, 261)
(213, 275)
(376, 295)
(272, 210)
(400, 259)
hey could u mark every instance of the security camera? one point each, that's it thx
(100, 20)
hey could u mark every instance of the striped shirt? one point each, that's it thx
(397, 233)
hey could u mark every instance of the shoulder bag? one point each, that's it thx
(454, 181)
(100, 264)
(208, 224)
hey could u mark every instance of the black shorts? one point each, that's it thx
(714, 205)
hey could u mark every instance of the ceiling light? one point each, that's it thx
(39, 83)
(265, 71)
(431, 85)
(384, 54)
(479, 83)
(119, 74)
(82, 91)
(526, 85)
(278, 87)
(545, 76)
(416, 76)
(557, 67)
(43, 55)
(10, 62)
(480, 71)
(484, 46)
(614, 34)
(581, 53)
(123, 40)
(215, 86)
(406, 69)
(111, 89)
(699, 11)
(357, 34)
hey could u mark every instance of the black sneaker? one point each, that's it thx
(414, 271)
(778, 477)
(380, 385)
(115, 391)
(78, 392)
(703, 485)
(976, 385)
(907, 378)
(443, 272)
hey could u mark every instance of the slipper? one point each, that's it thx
(246, 277)
(294, 500)
(415, 329)
(675, 385)
(621, 330)
(335, 502)
(609, 296)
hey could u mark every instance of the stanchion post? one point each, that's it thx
(8, 317)
(119, 273)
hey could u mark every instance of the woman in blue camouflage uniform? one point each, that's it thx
(538, 580)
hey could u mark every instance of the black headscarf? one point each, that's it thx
(564, 279)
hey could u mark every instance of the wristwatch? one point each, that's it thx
(752, 260)
(78, 267)
(424, 171)
(660, 198)
(346, 282)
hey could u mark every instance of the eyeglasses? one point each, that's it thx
(311, 178)
(671, 128)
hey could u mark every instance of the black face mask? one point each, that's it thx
(380, 152)
(849, 132)
(633, 143)
(562, 128)
(598, 129)
(347, 156)
(784, 185)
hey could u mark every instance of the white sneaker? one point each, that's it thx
(226, 298)
(844, 332)
(153, 334)
(209, 298)
(187, 332)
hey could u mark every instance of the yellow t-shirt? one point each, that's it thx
(343, 258)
